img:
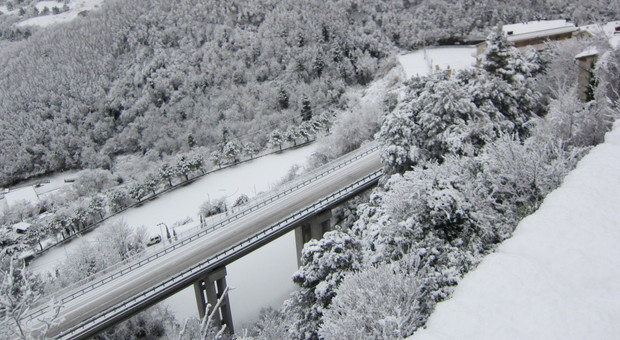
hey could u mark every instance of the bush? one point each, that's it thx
(210, 208)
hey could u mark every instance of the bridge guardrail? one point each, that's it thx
(227, 253)
(261, 201)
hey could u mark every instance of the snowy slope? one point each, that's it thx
(558, 277)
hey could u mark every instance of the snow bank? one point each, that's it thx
(558, 277)
(425, 61)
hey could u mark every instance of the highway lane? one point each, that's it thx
(169, 265)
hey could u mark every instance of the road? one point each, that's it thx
(157, 271)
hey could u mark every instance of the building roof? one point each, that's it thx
(21, 226)
(588, 53)
(537, 29)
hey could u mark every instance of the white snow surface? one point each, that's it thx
(558, 277)
(22, 195)
(536, 26)
(425, 61)
(75, 7)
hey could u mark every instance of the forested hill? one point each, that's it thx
(163, 76)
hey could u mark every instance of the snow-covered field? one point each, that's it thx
(75, 7)
(425, 61)
(558, 277)
(260, 279)
(32, 193)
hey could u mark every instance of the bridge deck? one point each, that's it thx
(108, 303)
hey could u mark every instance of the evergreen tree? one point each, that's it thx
(324, 265)
(97, 205)
(306, 109)
(283, 98)
(276, 139)
(232, 151)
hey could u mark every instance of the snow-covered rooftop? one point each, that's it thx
(535, 26)
(536, 29)
(558, 277)
(587, 53)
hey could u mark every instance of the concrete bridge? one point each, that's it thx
(200, 259)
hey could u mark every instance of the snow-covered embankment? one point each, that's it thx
(558, 277)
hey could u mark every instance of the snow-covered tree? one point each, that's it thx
(216, 157)
(152, 182)
(183, 167)
(118, 199)
(276, 139)
(19, 290)
(324, 264)
(292, 134)
(241, 200)
(167, 172)
(378, 302)
(93, 181)
(137, 191)
(35, 234)
(250, 149)
(210, 208)
(125, 242)
(97, 205)
(232, 151)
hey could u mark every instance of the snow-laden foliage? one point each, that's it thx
(79, 94)
(19, 290)
(378, 302)
(324, 264)
(116, 242)
(351, 128)
(469, 155)
(213, 207)
(445, 114)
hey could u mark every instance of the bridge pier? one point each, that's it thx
(208, 290)
(312, 229)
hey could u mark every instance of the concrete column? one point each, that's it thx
(208, 290)
(312, 229)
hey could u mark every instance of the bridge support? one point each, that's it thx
(312, 230)
(208, 290)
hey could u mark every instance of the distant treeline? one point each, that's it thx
(162, 77)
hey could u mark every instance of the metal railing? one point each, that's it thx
(71, 292)
(221, 258)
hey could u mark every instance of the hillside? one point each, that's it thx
(158, 77)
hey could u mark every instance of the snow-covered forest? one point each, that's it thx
(157, 77)
(148, 94)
